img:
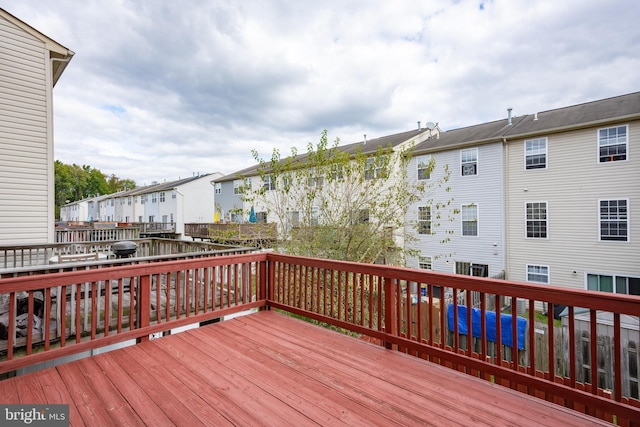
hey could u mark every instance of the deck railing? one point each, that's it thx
(427, 314)
(13, 256)
(56, 315)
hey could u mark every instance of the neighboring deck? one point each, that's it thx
(270, 369)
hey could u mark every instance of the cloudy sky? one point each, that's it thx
(160, 90)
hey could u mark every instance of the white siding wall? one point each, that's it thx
(572, 185)
(26, 162)
(485, 190)
(199, 201)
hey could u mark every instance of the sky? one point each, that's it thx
(160, 90)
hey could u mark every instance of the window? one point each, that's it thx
(612, 144)
(538, 273)
(173, 194)
(314, 180)
(613, 283)
(424, 167)
(337, 173)
(238, 186)
(162, 197)
(268, 183)
(469, 219)
(425, 262)
(613, 220)
(535, 153)
(165, 218)
(472, 269)
(293, 219)
(218, 188)
(112, 201)
(152, 218)
(261, 217)
(424, 219)
(315, 215)
(374, 168)
(537, 220)
(363, 216)
(129, 200)
(469, 161)
(154, 198)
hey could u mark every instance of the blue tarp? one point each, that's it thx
(505, 325)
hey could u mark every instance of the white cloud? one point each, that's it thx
(160, 90)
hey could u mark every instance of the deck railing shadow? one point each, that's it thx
(426, 314)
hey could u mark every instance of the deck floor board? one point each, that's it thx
(270, 369)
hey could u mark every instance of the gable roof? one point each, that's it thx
(57, 51)
(595, 113)
(367, 146)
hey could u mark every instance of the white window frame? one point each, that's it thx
(218, 188)
(268, 183)
(425, 262)
(463, 220)
(530, 274)
(614, 282)
(423, 164)
(162, 197)
(532, 147)
(608, 142)
(238, 185)
(624, 220)
(465, 161)
(526, 219)
(422, 220)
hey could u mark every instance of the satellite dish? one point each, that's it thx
(430, 125)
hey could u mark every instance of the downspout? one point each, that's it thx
(505, 211)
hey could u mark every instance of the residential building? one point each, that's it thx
(573, 196)
(458, 224)
(188, 200)
(234, 208)
(550, 197)
(32, 63)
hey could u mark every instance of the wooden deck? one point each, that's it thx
(270, 369)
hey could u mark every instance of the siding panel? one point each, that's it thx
(24, 161)
(572, 184)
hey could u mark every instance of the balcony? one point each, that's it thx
(418, 347)
(255, 234)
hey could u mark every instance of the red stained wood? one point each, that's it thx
(270, 369)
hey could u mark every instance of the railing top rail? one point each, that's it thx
(605, 301)
(27, 283)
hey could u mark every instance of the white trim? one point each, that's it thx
(546, 153)
(526, 273)
(477, 161)
(477, 219)
(598, 144)
(526, 220)
(628, 220)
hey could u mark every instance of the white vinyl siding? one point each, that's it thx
(572, 186)
(446, 238)
(26, 153)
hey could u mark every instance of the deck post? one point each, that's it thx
(144, 305)
(390, 309)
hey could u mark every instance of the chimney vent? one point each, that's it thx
(509, 116)
(535, 116)
(365, 138)
(419, 128)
